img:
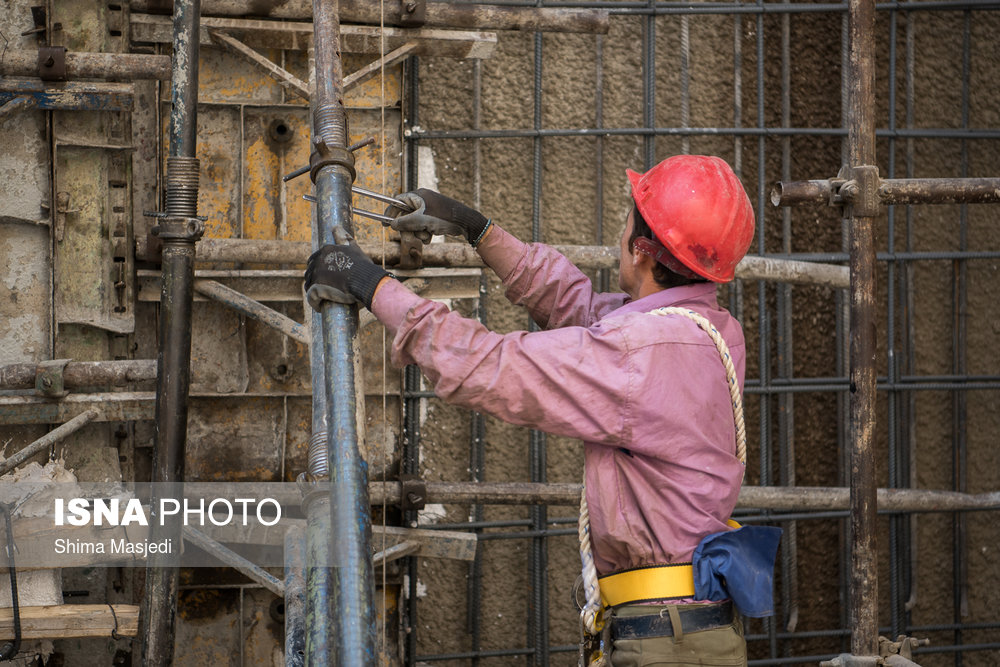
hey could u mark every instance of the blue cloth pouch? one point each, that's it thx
(739, 565)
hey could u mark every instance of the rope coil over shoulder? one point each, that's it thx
(591, 614)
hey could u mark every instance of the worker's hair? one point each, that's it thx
(663, 276)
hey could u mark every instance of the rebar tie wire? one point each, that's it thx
(591, 614)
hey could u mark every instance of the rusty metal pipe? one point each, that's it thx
(895, 191)
(179, 229)
(108, 66)
(775, 498)
(861, 154)
(460, 255)
(258, 311)
(82, 373)
(47, 440)
(438, 15)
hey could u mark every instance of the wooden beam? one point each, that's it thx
(373, 68)
(297, 36)
(72, 620)
(279, 74)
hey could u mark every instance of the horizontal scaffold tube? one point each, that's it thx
(108, 66)
(82, 373)
(438, 15)
(459, 255)
(892, 191)
(778, 498)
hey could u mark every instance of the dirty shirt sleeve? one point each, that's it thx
(555, 292)
(570, 382)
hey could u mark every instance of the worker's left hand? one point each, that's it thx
(343, 274)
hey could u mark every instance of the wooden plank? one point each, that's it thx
(297, 36)
(72, 620)
(69, 96)
(111, 407)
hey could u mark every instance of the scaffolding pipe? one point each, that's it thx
(258, 311)
(352, 590)
(295, 597)
(82, 373)
(108, 66)
(861, 161)
(891, 191)
(775, 498)
(437, 15)
(234, 560)
(179, 229)
(47, 440)
(460, 255)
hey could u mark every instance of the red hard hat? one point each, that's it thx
(699, 210)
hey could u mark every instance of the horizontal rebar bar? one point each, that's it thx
(524, 133)
(109, 66)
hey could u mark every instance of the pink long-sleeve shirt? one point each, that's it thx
(647, 394)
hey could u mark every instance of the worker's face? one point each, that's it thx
(627, 273)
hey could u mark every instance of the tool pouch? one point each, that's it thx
(738, 565)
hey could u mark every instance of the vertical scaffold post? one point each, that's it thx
(179, 228)
(352, 582)
(861, 151)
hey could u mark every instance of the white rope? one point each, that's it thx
(591, 612)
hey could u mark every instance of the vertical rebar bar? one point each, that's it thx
(785, 366)
(861, 148)
(539, 617)
(959, 344)
(352, 590)
(179, 230)
(411, 384)
(477, 425)
(649, 87)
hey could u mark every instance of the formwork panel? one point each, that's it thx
(239, 439)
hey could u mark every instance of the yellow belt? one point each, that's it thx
(656, 582)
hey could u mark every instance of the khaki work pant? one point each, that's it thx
(718, 647)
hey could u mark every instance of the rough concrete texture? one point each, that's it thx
(25, 313)
(568, 213)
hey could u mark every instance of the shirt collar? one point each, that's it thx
(688, 295)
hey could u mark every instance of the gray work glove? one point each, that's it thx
(343, 274)
(433, 213)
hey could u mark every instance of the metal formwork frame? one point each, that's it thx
(776, 385)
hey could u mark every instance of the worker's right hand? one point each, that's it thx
(433, 213)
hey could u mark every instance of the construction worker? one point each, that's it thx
(648, 395)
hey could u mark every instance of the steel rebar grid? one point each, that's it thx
(861, 155)
(352, 590)
(179, 230)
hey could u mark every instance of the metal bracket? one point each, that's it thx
(52, 63)
(325, 155)
(49, 378)
(412, 493)
(857, 188)
(903, 646)
(412, 13)
(410, 252)
(179, 227)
